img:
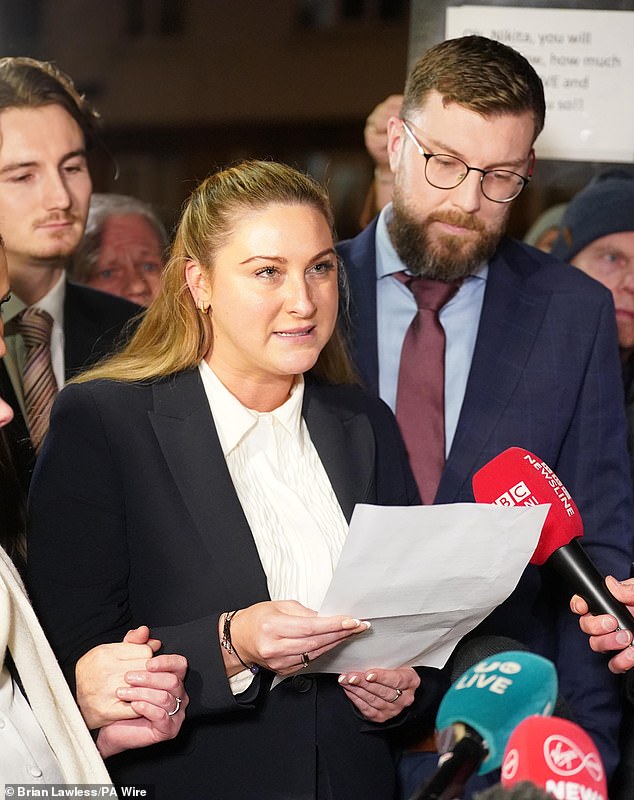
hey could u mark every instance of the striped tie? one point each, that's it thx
(38, 381)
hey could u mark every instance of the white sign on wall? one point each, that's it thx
(585, 59)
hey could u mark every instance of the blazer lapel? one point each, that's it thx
(346, 447)
(511, 318)
(184, 427)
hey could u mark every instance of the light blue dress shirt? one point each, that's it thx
(396, 308)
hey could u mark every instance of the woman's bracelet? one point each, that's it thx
(228, 644)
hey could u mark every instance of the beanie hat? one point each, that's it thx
(605, 206)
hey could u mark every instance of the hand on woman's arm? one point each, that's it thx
(157, 695)
(602, 629)
(132, 696)
(100, 672)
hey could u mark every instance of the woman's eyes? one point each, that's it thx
(321, 268)
(324, 266)
(268, 272)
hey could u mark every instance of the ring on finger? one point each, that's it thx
(176, 710)
(396, 696)
(305, 660)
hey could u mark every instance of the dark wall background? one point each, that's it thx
(185, 86)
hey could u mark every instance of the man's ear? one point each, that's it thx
(199, 285)
(395, 136)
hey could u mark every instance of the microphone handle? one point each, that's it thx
(448, 782)
(574, 564)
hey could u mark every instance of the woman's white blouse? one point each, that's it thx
(297, 523)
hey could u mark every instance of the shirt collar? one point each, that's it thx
(387, 259)
(53, 302)
(234, 420)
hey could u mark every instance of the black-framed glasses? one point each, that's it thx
(446, 172)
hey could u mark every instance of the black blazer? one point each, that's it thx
(94, 322)
(134, 519)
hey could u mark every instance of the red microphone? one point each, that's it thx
(519, 478)
(556, 755)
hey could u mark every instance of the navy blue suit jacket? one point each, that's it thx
(545, 376)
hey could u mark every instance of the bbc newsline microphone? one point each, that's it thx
(517, 477)
(556, 755)
(479, 712)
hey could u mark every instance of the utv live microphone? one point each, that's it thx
(479, 712)
(558, 756)
(519, 478)
(477, 648)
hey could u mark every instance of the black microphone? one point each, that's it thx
(449, 780)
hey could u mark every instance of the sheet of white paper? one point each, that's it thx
(424, 576)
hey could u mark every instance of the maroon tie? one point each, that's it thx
(420, 398)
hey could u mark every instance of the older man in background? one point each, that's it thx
(597, 236)
(123, 248)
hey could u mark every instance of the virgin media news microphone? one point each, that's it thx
(556, 755)
(519, 478)
(478, 713)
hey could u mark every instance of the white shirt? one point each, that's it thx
(288, 500)
(25, 754)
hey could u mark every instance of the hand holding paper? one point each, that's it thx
(424, 576)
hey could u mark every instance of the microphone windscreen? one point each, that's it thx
(495, 694)
(470, 651)
(557, 755)
(516, 477)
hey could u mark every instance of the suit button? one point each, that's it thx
(302, 683)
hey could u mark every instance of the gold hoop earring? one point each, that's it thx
(204, 309)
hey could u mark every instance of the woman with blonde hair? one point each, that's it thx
(202, 481)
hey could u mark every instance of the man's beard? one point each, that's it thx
(52, 256)
(57, 251)
(444, 257)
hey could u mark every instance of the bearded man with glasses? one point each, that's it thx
(521, 350)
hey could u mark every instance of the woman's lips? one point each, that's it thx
(296, 332)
